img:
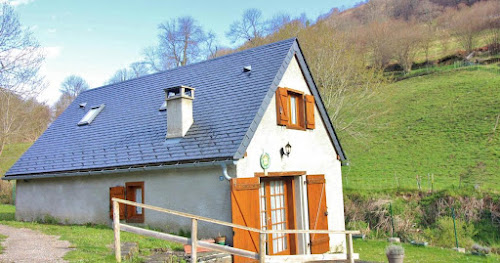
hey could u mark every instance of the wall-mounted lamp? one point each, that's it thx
(286, 150)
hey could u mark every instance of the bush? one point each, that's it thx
(6, 188)
(442, 234)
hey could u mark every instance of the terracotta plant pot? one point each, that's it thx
(395, 258)
(221, 240)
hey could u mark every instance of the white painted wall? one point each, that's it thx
(312, 151)
(85, 199)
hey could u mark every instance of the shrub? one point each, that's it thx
(443, 233)
(6, 188)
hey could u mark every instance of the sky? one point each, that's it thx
(93, 39)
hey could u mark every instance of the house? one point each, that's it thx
(243, 138)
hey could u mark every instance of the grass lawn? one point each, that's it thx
(442, 124)
(90, 243)
(370, 250)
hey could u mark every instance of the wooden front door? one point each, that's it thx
(318, 215)
(277, 213)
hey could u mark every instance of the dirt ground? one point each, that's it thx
(25, 245)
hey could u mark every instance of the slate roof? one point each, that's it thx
(130, 130)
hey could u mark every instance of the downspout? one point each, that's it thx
(225, 174)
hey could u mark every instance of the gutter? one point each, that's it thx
(223, 164)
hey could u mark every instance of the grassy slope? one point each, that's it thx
(440, 124)
(91, 243)
(11, 153)
(375, 251)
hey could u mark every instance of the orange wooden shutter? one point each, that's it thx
(318, 216)
(282, 106)
(310, 112)
(118, 192)
(245, 211)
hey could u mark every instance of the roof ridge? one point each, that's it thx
(193, 64)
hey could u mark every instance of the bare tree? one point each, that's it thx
(407, 39)
(180, 43)
(465, 24)
(277, 22)
(135, 70)
(139, 69)
(120, 76)
(376, 39)
(492, 13)
(341, 74)
(251, 26)
(20, 61)
(71, 87)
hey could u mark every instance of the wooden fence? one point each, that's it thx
(195, 243)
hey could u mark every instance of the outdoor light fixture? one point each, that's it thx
(286, 150)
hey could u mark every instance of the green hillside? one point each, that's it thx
(11, 153)
(440, 124)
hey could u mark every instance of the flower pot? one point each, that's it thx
(220, 240)
(395, 258)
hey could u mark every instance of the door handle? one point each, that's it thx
(326, 213)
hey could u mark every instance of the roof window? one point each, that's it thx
(90, 115)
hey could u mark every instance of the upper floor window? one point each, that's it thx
(294, 109)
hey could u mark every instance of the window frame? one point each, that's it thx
(130, 193)
(299, 106)
(91, 115)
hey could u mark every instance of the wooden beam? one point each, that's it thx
(262, 247)
(187, 241)
(182, 214)
(290, 173)
(350, 248)
(194, 240)
(307, 258)
(116, 229)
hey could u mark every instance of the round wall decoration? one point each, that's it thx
(265, 161)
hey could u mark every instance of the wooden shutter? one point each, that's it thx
(245, 211)
(318, 216)
(310, 124)
(118, 192)
(282, 106)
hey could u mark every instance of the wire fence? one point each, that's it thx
(424, 183)
(457, 65)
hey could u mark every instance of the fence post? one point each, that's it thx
(194, 241)
(350, 253)
(116, 228)
(262, 245)
(392, 218)
(454, 226)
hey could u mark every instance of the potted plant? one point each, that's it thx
(221, 240)
(395, 253)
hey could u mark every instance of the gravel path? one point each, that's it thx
(25, 245)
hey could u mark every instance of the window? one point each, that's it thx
(90, 115)
(133, 191)
(296, 112)
(294, 109)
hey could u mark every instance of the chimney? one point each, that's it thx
(179, 110)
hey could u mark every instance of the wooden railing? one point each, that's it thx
(195, 243)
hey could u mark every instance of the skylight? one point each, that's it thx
(91, 114)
